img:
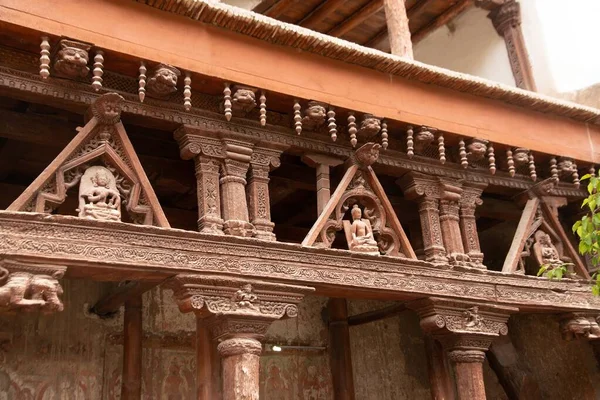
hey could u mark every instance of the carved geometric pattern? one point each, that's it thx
(101, 142)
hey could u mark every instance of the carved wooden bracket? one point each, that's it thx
(580, 325)
(236, 306)
(30, 287)
(382, 231)
(103, 162)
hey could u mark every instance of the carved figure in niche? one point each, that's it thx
(314, 116)
(99, 197)
(472, 317)
(163, 80)
(72, 59)
(30, 291)
(245, 297)
(477, 148)
(521, 156)
(566, 167)
(361, 233)
(544, 251)
(423, 138)
(107, 108)
(244, 99)
(370, 126)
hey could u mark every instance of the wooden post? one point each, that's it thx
(240, 358)
(340, 359)
(398, 30)
(468, 372)
(203, 361)
(131, 388)
(437, 366)
(322, 164)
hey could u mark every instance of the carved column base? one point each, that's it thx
(241, 368)
(264, 230)
(238, 228)
(210, 224)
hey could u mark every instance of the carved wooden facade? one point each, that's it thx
(397, 211)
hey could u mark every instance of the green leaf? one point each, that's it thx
(586, 176)
(543, 269)
(596, 290)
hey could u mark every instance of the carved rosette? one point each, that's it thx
(234, 306)
(30, 287)
(580, 325)
(261, 162)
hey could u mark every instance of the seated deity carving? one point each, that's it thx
(99, 197)
(360, 234)
(30, 291)
(544, 251)
(245, 297)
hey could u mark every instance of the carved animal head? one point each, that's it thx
(423, 138)
(244, 96)
(72, 59)
(521, 156)
(367, 154)
(370, 125)
(476, 149)
(316, 112)
(163, 80)
(566, 166)
(107, 108)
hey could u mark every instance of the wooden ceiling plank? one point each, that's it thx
(278, 8)
(357, 18)
(322, 11)
(442, 20)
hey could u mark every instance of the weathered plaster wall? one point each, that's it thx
(469, 44)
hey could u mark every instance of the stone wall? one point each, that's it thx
(78, 356)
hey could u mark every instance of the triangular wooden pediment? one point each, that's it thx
(101, 143)
(539, 215)
(360, 184)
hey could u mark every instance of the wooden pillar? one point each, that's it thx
(449, 221)
(471, 198)
(398, 29)
(204, 362)
(233, 188)
(322, 163)
(259, 206)
(340, 360)
(465, 331)
(131, 387)
(437, 366)
(241, 368)
(507, 21)
(468, 372)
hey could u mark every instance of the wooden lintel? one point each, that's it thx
(514, 253)
(375, 315)
(114, 300)
(357, 18)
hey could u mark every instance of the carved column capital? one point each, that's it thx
(507, 15)
(580, 325)
(235, 306)
(416, 186)
(30, 287)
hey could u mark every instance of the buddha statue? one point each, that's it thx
(544, 251)
(362, 239)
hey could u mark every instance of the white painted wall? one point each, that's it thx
(469, 44)
(247, 4)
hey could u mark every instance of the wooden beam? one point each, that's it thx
(397, 27)
(442, 20)
(375, 315)
(357, 18)
(131, 386)
(125, 292)
(326, 8)
(340, 360)
(514, 253)
(278, 8)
